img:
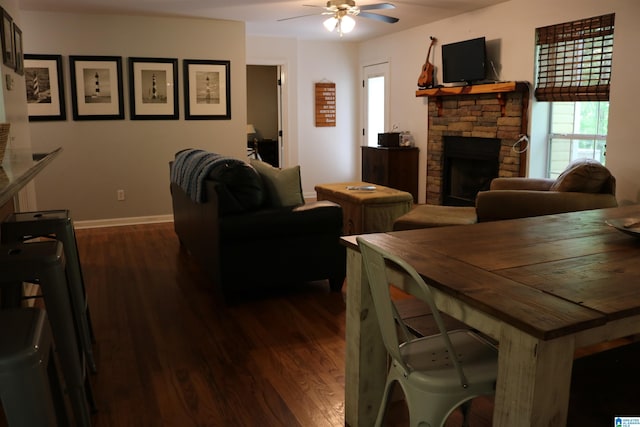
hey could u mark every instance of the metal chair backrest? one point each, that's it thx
(376, 264)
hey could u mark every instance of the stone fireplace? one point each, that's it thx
(494, 111)
(470, 163)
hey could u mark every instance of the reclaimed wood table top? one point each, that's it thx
(549, 275)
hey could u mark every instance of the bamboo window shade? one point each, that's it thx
(574, 60)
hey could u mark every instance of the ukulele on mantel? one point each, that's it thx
(426, 76)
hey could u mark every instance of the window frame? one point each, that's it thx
(572, 137)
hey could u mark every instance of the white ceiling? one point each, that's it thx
(262, 16)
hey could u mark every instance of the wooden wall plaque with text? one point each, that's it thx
(325, 104)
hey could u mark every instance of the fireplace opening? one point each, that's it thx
(470, 163)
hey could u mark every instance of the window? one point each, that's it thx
(578, 130)
(574, 75)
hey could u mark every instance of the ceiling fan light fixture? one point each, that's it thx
(347, 24)
(340, 14)
(331, 23)
(344, 24)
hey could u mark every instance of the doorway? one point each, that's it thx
(375, 99)
(264, 113)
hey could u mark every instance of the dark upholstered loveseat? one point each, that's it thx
(248, 237)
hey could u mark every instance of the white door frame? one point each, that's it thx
(377, 69)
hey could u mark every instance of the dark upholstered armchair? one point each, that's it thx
(243, 235)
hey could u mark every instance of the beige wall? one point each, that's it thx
(328, 154)
(100, 157)
(325, 154)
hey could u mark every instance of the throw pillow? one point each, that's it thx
(239, 187)
(283, 185)
(584, 176)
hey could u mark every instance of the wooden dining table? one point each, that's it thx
(542, 287)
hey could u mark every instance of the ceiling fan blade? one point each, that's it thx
(299, 16)
(383, 18)
(377, 6)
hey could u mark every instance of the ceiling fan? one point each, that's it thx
(340, 14)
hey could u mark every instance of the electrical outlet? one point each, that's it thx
(120, 195)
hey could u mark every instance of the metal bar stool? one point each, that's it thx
(57, 224)
(44, 263)
(29, 384)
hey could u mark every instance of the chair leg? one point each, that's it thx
(57, 391)
(384, 403)
(465, 408)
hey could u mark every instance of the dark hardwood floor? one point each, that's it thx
(171, 353)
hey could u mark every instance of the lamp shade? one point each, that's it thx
(347, 24)
(250, 129)
(330, 24)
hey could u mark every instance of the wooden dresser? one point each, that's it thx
(394, 167)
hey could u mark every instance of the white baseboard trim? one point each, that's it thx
(116, 222)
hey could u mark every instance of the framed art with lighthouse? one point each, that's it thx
(96, 87)
(153, 88)
(207, 89)
(45, 87)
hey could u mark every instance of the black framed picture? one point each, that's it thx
(96, 87)
(207, 89)
(44, 85)
(17, 49)
(8, 52)
(153, 89)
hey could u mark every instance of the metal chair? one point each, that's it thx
(30, 387)
(44, 263)
(54, 224)
(437, 373)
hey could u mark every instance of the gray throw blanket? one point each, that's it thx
(191, 168)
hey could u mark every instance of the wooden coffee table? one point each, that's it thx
(366, 211)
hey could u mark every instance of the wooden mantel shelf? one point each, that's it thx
(473, 89)
(499, 89)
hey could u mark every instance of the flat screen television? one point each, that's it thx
(464, 61)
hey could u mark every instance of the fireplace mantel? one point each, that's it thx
(499, 89)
